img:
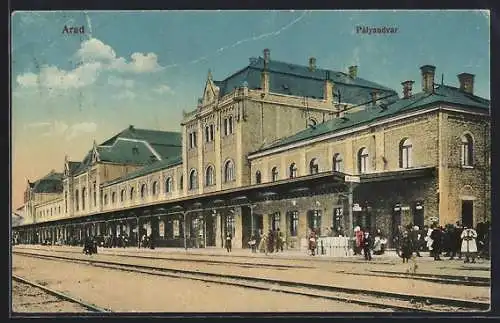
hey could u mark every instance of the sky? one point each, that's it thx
(144, 68)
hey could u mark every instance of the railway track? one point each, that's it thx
(385, 300)
(437, 278)
(56, 299)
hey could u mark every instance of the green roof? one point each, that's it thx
(442, 94)
(151, 168)
(133, 146)
(299, 80)
(50, 183)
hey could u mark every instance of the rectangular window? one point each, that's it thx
(226, 127)
(230, 227)
(211, 132)
(275, 221)
(314, 221)
(294, 223)
(338, 214)
(176, 230)
(194, 140)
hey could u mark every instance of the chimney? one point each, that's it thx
(407, 86)
(374, 95)
(252, 60)
(353, 71)
(264, 81)
(267, 56)
(312, 64)
(428, 78)
(131, 127)
(328, 90)
(466, 81)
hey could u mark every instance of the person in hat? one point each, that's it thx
(367, 244)
(415, 240)
(406, 247)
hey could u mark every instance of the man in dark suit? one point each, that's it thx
(437, 237)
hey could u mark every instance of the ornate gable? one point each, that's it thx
(95, 154)
(211, 92)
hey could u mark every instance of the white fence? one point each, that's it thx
(329, 246)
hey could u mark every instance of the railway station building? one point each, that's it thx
(282, 146)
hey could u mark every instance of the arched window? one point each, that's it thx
(122, 195)
(181, 183)
(229, 171)
(363, 160)
(59, 209)
(405, 153)
(193, 179)
(209, 176)
(66, 201)
(293, 170)
(274, 174)
(467, 150)
(337, 163)
(211, 132)
(168, 185)
(113, 197)
(84, 191)
(77, 200)
(258, 177)
(313, 166)
(131, 193)
(312, 122)
(155, 188)
(143, 191)
(105, 199)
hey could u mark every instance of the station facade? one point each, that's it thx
(279, 146)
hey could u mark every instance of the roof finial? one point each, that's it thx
(442, 78)
(209, 74)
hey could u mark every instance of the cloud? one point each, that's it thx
(163, 88)
(125, 95)
(56, 128)
(94, 50)
(53, 78)
(94, 57)
(120, 82)
(141, 63)
(61, 128)
(37, 125)
(81, 128)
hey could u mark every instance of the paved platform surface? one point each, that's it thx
(389, 262)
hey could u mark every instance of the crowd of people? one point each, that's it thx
(267, 242)
(453, 241)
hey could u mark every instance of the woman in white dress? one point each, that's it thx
(429, 241)
(469, 246)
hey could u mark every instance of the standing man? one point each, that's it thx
(229, 241)
(367, 245)
(437, 237)
(415, 240)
